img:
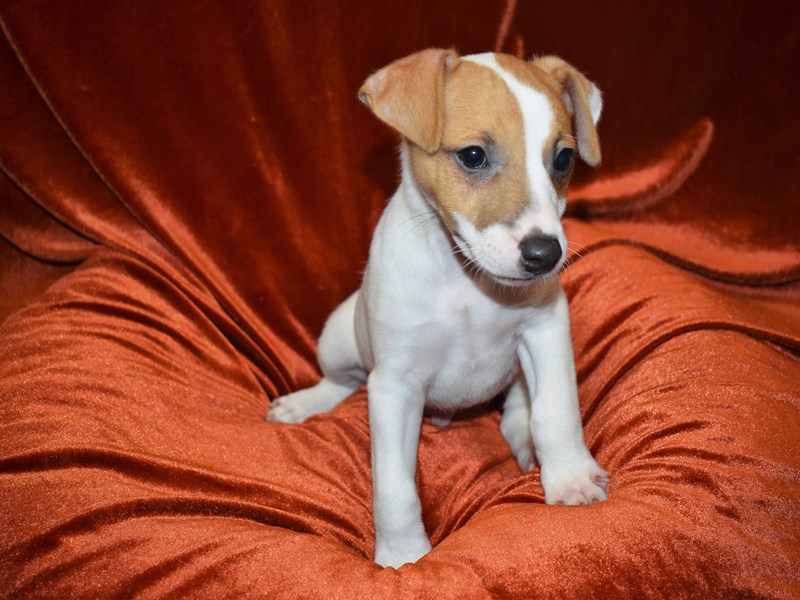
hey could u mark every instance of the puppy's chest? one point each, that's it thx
(468, 347)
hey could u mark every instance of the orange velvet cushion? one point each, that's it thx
(200, 183)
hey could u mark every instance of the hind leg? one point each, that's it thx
(342, 368)
(515, 425)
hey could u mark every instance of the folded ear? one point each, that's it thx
(583, 101)
(408, 95)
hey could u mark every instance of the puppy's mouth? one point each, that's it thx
(479, 263)
(523, 280)
(509, 255)
(514, 280)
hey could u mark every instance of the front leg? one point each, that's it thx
(395, 420)
(569, 473)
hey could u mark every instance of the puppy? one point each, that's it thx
(461, 299)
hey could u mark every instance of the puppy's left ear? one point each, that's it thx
(583, 101)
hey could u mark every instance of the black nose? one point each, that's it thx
(539, 254)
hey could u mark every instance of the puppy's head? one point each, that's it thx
(491, 145)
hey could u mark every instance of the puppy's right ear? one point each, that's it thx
(583, 102)
(408, 95)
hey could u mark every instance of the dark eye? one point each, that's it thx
(473, 158)
(563, 161)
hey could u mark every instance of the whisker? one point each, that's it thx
(574, 243)
(419, 216)
(422, 218)
(425, 222)
(470, 264)
(582, 255)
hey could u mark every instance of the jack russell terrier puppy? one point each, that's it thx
(461, 299)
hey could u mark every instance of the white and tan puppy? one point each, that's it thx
(461, 299)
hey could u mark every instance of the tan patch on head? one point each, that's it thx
(529, 74)
(482, 111)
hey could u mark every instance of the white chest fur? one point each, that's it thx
(430, 319)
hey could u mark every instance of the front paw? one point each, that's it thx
(576, 482)
(400, 550)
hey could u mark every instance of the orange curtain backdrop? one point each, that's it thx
(187, 190)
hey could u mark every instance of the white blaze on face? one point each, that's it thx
(495, 247)
(537, 122)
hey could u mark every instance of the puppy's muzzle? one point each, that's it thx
(539, 255)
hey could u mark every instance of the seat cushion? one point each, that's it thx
(187, 191)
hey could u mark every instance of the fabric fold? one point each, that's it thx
(636, 190)
(186, 192)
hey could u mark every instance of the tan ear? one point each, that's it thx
(583, 101)
(408, 95)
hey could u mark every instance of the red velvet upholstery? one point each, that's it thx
(188, 189)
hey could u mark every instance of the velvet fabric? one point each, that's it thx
(188, 189)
